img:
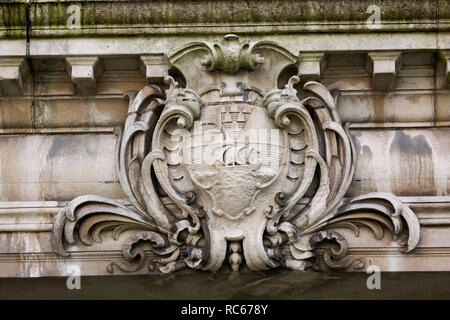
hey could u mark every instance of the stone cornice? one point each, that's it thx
(115, 18)
(37, 216)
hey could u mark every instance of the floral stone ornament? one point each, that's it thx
(232, 170)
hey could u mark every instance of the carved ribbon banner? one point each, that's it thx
(233, 169)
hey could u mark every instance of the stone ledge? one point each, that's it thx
(444, 56)
(155, 68)
(50, 131)
(346, 42)
(175, 17)
(288, 285)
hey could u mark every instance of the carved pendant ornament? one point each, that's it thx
(230, 170)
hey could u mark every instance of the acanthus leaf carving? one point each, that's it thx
(249, 175)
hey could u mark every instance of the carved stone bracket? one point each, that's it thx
(444, 56)
(233, 169)
(155, 68)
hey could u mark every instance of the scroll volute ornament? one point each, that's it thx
(232, 169)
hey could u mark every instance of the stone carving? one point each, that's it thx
(233, 169)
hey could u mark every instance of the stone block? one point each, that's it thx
(384, 67)
(84, 72)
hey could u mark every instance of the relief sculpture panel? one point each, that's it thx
(230, 170)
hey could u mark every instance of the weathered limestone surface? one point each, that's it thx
(53, 167)
(63, 103)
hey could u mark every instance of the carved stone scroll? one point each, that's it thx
(232, 169)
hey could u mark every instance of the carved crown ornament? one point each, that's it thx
(232, 171)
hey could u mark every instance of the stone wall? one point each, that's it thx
(63, 101)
